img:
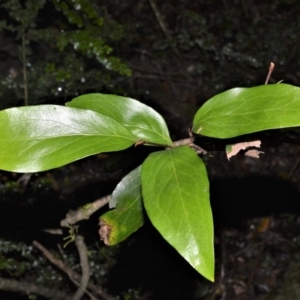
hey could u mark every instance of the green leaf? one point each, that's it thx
(37, 138)
(143, 121)
(246, 110)
(175, 190)
(127, 217)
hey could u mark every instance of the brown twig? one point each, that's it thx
(183, 142)
(159, 20)
(24, 179)
(74, 276)
(83, 213)
(190, 142)
(271, 68)
(85, 268)
(162, 25)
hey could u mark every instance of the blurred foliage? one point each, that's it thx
(229, 45)
(19, 260)
(210, 47)
(132, 294)
(67, 50)
(12, 188)
(290, 285)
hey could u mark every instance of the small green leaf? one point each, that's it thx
(246, 110)
(38, 138)
(127, 217)
(175, 190)
(143, 121)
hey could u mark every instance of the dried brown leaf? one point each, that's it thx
(253, 153)
(104, 232)
(234, 149)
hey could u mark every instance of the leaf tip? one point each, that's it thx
(209, 274)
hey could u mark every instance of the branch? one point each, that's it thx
(83, 213)
(159, 19)
(31, 288)
(271, 68)
(85, 267)
(190, 142)
(74, 276)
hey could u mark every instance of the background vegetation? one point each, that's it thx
(173, 56)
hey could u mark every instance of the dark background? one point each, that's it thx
(173, 56)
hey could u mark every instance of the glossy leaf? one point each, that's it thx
(37, 138)
(143, 121)
(127, 217)
(175, 190)
(246, 110)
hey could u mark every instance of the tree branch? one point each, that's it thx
(85, 267)
(83, 213)
(159, 20)
(74, 276)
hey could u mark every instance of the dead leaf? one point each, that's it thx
(104, 232)
(253, 153)
(234, 149)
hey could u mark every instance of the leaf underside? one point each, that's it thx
(38, 138)
(127, 217)
(241, 111)
(175, 190)
(143, 121)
